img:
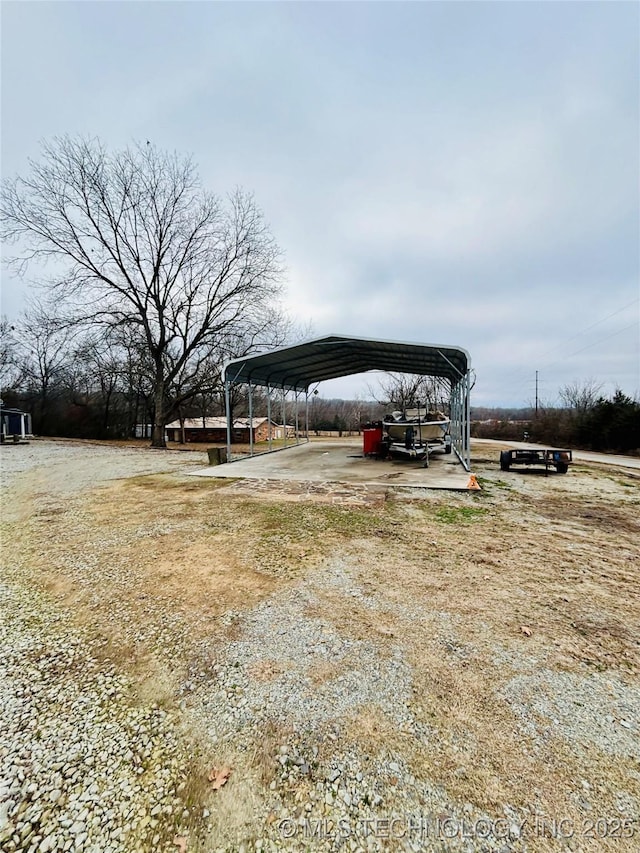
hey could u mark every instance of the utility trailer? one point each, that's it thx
(546, 456)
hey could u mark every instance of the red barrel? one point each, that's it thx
(371, 439)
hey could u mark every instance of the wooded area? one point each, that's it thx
(591, 422)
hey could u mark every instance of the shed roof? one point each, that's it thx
(216, 423)
(299, 366)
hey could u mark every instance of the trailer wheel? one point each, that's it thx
(505, 460)
(562, 467)
(447, 448)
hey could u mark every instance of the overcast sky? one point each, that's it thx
(457, 173)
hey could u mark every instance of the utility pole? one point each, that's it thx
(536, 393)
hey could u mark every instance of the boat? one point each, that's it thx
(412, 434)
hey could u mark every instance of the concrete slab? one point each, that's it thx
(341, 461)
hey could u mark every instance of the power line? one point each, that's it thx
(594, 344)
(522, 372)
(593, 325)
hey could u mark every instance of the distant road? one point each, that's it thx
(578, 455)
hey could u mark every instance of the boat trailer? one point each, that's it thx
(406, 440)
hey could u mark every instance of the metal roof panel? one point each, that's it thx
(301, 365)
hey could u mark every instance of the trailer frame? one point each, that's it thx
(548, 456)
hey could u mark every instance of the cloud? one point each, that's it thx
(464, 173)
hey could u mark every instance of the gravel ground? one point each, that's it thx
(325, 793)
(74, 466)
(283, 690)
(83, 767)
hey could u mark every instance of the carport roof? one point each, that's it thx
(297, 367)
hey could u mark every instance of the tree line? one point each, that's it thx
(586, 419)
(81, 384)
(98, 383)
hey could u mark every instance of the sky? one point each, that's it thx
(435, 172)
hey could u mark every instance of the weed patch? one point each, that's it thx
(299, 522)
(459, 514)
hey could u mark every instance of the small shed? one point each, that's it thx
(14, 424)
(214, 430)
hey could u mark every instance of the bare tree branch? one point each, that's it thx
(406, 390)
(139, 240)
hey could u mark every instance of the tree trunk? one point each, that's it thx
(107, 405)
(157, 438)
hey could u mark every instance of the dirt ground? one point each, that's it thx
(510, 616)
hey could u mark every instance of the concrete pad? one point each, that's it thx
(341, 461)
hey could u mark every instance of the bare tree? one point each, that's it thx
(137, 377)
(319, 413)
(406, 390)
(111, 378)
(581, 396)
(45, 352)
(9, 372)
(103, 361)
(140, 244)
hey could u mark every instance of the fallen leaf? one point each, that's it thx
(181, 842)
(218, 776)
(525, 630)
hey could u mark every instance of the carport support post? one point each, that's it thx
(227, 403)
(297, 421)
(269, 412)
(284, 420)
(460, 423)
(458, 420)
(467, 419)
(306, 412)
(250, 419)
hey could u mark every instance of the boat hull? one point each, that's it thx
(423, 432)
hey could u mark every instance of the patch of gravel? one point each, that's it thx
(590, 709)
(69, 467)
(279, 634)
(297, 672)
(357, 802)
(83, 769)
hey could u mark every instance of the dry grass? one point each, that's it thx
(454, 579)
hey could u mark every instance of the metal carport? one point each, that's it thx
(296, 368)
